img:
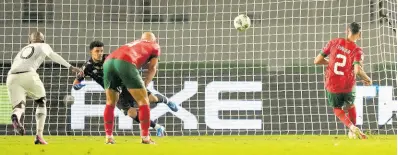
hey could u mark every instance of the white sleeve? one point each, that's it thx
(54, 56)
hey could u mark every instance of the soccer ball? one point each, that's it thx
(352, 135)
(242, 22)
(68, 100)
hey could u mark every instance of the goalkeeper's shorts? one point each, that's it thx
(121, 73)
(126, 101)
(340, 99)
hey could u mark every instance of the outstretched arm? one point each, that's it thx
(79, 78)
(58, 59)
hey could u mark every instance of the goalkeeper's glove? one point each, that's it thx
(78, 86)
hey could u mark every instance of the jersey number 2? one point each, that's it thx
(339, 64)
(27, 52)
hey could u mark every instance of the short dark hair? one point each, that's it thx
(354, 27)
(36, 37)
(96, 44)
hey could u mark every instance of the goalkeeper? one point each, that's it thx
(93, 68)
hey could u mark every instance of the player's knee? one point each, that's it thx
(141, 99)
(20, 105)
(144, 101)
(132, 112)
(41, 102)
(153, 99)
(111, 101)
(112, 96)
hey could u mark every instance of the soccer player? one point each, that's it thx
(94, 69)
(22, 79)
(345, 61)
(121, 69)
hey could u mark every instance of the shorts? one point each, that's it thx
(340, 99)
(126, 101)
(121, 73)
(24, 84)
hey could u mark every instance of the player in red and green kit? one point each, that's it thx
(345, 62)
(121, 69)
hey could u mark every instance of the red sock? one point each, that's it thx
(144, 115)
(352, 114)
(108, 119)
(341, 115)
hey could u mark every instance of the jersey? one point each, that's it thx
(138, 52)
(32, 56)
(343, 54)
(93, 70)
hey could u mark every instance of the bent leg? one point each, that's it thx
(109, 116)
(140, 95)
(111, 83)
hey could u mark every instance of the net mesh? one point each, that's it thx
(261, 81)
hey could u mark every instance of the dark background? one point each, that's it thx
(293, 102)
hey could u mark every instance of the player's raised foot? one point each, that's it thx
(172, 106)
(110, 140)
(40, 141)
(160, 131)
(147, 140)
(359, 134)
(18, 127)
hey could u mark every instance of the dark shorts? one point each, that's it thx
(126, 101)
(121, 73)
(340, 99)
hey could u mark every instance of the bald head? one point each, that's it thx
(149, 36)
(36, 37)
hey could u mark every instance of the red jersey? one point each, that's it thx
(138, 52)
(340, 77)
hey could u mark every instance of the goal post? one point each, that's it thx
(261, 81)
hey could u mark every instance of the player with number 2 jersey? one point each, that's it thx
(345, 62)
(343, 54)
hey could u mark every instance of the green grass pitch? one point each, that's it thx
(202, 145)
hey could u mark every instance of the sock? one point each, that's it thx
(108, 119)
(41, 113)
(144, 116)
(19, 112)
(136, 118)
(343, 118)
(352, 114)
(161, 98)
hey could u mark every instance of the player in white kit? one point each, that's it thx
(22, 81)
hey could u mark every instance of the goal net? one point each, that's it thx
(261, 81)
